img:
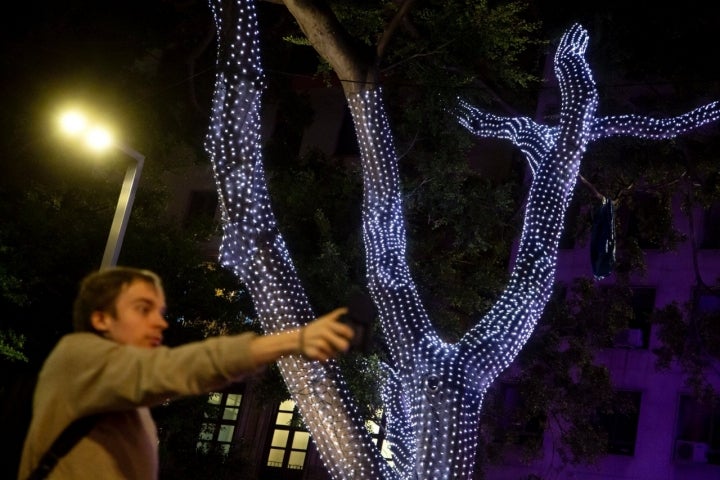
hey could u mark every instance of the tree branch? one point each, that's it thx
(656, 128)
(332, 42)
(592, 188)
(417, 55)
(391, 29)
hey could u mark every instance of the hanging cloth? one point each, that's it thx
(602, 239)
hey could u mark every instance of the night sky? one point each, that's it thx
(128, 60)
(83, 49)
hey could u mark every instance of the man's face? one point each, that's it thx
(139, 319)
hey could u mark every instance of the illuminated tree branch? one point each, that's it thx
(254, 249)
(655, 128)
(554, 155)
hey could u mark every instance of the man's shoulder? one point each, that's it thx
(81, 345)
(71, 339)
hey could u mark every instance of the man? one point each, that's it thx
(114, 365)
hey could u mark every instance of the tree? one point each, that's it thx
(434, 389)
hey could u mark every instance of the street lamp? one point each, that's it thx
(98, 138)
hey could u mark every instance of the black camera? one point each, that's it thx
(360, 315)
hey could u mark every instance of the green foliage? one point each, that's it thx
(460, 217)
(11, 287)
(178, 425)
(317, 203)
(364, 19)
(364, 377)
(11, 346)
(297, 40)
(505, 39)
(558, 377)
(271, 386)
(689, 336)
(11, 293)
(429, 45)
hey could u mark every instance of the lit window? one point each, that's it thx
(290, 441)
(218, 428)
(378, 434)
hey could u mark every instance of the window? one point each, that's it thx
(515, 424)
(705, 314)
(711, 227)
(378, 434)
(637, 335)
(290, 442)
(707, 303)
(621, 425)
(218, 428)
(698, 431)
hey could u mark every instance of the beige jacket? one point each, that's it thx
(87, 374)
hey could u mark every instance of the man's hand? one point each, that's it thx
(325, 337)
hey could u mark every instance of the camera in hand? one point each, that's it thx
(361, 312)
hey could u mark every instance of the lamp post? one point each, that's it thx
(98, 138)
(124, 205)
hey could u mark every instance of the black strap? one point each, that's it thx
(62, 445)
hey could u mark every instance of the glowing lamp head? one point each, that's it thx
(98, 138)
(73, 123)
(95, 137)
